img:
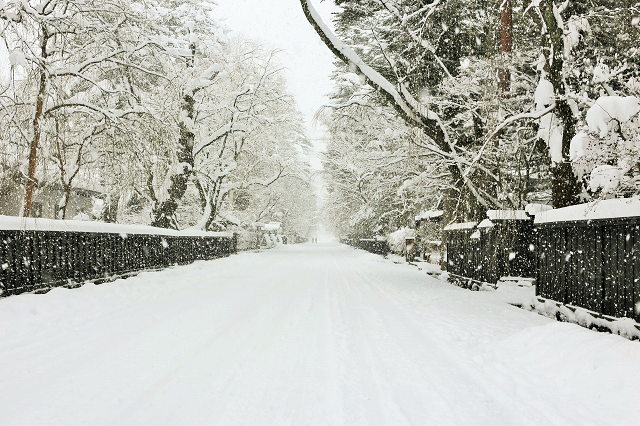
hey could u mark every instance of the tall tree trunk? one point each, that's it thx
(506, 39)
(37, 130)
(62, 207)
(164, 211)
(214, 203)
(460, 204)
(110, 211)
(565, 187)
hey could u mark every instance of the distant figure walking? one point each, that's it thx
(313, 234)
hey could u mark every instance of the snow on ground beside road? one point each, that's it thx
(303, 335)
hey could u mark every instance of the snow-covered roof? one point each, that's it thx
(429, 214)
(459, 226)
(507, 215)
(271, 226)
(605, 209)
(476, 235)
(402, 234)
(13, 223)
(486, 224)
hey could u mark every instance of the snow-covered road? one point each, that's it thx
(302, 335)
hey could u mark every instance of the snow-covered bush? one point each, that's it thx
(606, 154)
(398, 240)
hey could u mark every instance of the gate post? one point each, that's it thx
(410, 249)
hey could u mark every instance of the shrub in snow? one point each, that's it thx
(397, 240)
(82, 217)
(606, 178)
(609, 109)
(605, 153)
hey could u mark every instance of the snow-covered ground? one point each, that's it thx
(303, 335)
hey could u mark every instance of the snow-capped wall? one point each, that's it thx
(605, 209)
(42, 224)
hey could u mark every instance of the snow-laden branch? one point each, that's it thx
(350, 102)
(108, 113)
(414, 35)
(139, 68)
(410, 108)
(536, 115)
(430, 8)
(255, 181)
(223, 131)
(458, 160)
(77, 68)
(212, 138)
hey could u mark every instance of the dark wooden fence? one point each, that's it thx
(508, 249)
(369, 244)
(487, 253)
(592, 264)
(36, 260)
(591, 261)
(463, 252)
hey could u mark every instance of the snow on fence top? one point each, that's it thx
(534, 209)
(486, 224)
(605, 209)
(430, 214)
(507, 215)
(460, 226)
(13, 223)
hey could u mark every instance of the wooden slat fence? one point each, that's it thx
(38, 260)
(592, 264)
(369, 244)
(487, 254)
(463, 253)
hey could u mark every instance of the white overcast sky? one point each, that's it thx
(282, 24)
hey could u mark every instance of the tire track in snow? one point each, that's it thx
(482, 381)
(307, 335)
(235, 324)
